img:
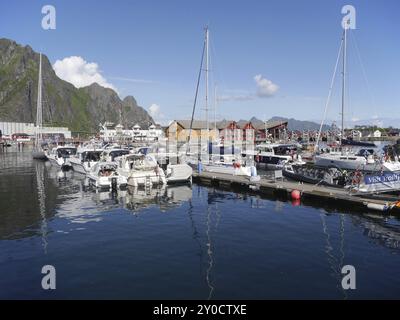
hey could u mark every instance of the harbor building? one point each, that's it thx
(10, 129)
(111, 132)
(227, 130)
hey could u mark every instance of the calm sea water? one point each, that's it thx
(182, 242)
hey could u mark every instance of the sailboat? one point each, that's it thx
(38, 152)
(350, 160)
(204, 162)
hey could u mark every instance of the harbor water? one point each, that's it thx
(182, 242)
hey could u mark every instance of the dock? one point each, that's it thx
(282, 188)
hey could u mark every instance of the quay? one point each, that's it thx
(278, 187)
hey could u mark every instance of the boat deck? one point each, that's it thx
(280, 186)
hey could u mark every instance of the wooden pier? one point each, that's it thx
(283, 188)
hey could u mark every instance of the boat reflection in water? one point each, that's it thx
(135, 198)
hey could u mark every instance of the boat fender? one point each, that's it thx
(357, 178)
(377, 206)
(296, 195)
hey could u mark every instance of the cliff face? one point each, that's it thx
(63, 105)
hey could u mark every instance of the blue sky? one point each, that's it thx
(151, 50)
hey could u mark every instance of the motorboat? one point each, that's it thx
(84, 159)
(274, 156)
(141, 170)
(235, 168)
(332, 177)
(104, 175)
(363, 161)
(377, 183)
(173, 163)
(59, 156)
(178, 173)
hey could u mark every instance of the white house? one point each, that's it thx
(109, 132)
(356, 134)
(377, 134)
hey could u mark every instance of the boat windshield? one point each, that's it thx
(66, 152)
(91, 156)
(365, 152)
(285, 150)
(118, 153)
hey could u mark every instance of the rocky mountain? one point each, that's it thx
(301, 125)
(293, 124)
(82, 110)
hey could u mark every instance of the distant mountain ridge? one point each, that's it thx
(301, 125)
(82, 110)
(293, 124)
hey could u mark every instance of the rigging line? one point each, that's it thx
(195, 97)
(329, 95)
(214, 74)
(222, 83)
(372, 96)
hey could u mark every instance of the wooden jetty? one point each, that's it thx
(281, 187)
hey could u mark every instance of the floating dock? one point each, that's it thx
(283, 188)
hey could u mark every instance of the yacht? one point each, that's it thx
(274, 156)
(348, 160)
(141, 170)
(176, 170)
(234, 168)
(104, 175)
(84, 159)
(364, 160)
(60, 155)
(178, 173)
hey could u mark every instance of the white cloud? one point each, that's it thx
(79, 72)
(154, 111)
(265, 87)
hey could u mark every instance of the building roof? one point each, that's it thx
(197, 124)
(200, 124)
(225, 123)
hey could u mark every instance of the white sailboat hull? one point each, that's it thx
(355, 163)
(176, 173)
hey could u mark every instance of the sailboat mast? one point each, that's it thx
(206, 72)
(39, 117)
(215, 109)
(344, 75)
